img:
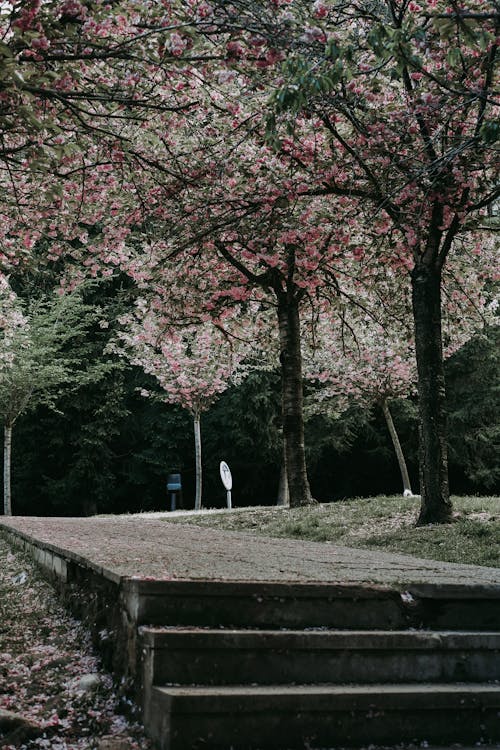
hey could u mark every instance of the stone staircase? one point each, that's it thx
(258, 661)
(249, 666)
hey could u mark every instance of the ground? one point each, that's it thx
(154, 548)
(50, 675)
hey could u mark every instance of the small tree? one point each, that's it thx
(365, 352)
(37, 359)
(366, 363)
(193, 365)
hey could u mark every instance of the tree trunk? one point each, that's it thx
(7, 452)
(197, 454)
(283, 494)
(292, 400)
(397, 448)
(433, 456)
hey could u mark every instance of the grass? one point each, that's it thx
(382, 523)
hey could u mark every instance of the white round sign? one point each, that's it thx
(225, 475)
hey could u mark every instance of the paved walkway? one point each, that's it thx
(152, 548)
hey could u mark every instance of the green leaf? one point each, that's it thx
(332, 50)
(5, 50)
(453, 56)
(444, 26)
(490, 131)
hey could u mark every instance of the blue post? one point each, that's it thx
(174, 485)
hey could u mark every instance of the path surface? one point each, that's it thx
(151, 547)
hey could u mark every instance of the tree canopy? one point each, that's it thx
(272, 164)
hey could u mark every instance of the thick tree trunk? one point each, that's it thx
(292, 400)
(433, 456)
(197, 454)
(397, 448)
(7, 452)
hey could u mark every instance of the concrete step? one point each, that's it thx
(264, 605)
(327, 716)
(222, 657)
(301, 605)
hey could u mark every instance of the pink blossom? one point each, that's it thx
(320, 10)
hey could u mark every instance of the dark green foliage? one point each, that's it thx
(157, 440)
(352, 455)
(243, 428)
(110, 450)
(473, 383)
(106, 449)
(63, 463)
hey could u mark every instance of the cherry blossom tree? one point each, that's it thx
(215, 249)
(192, 364)
(130, 178)
(281, 268)
(370, 366)
(69, 64)
(366, 352)
(380, 146)
(75, 79)
(366, 108)
(404, 94)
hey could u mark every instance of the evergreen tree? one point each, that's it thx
(244, 429)
(40, 357)
(473, 378)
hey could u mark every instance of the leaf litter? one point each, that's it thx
(54, 692)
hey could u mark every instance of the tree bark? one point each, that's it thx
(292, 399)
(283, 494)
(197, 454)
(433, 456)
(7, 452)
(397, 447)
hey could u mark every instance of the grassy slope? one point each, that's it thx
(385, 523)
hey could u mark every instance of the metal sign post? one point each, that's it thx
(227, 481)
